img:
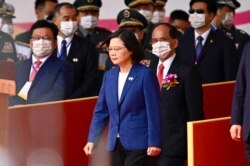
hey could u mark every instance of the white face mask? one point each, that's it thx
(161, 49)
(197, 20)
(147, 14)
(158, 17)
(228, 19)
(8, 28)
(88, 22)
(42, 48)
(68, 28)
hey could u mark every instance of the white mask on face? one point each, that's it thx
(68, 28)
(158, 17)
(197, 20)
(228, 19)
(88, 22)
(42, 48)
(147, 14)
(161, 49)
(8, 28)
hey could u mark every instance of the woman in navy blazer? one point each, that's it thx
(129, 99)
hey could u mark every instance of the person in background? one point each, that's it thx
(88, 15)
(178, 81)
(7, 46)
(212, 52)
(146, 8)
(43, 8)
(135, 22)
(179, 19)
(130, 101)
(7, 23)
(159, 11)
(223, 21)
(44, 77)
(81, 53)
(241, 103)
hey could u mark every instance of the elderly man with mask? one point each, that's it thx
(43, 77)
(223, 21)
(81, 53)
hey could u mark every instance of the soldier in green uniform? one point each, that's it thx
(7, 46)
(159, 11)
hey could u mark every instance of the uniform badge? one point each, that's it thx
(7, 48)
(75, 60)
(237, 45)
(126, 14)
(90, 1)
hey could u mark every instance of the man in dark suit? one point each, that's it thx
(88, 16)
(78, 51)
(181, 95)
(212, 52)
(240, 128)
(43, 77)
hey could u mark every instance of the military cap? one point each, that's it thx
(132, 3)
(231, 3)
(130, 17)
(8, 10)
(82, 5)
(160, 2)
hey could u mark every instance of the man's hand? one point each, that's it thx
(236, 132)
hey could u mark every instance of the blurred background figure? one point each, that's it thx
(179, 19)
(7, 19)
(146, 8)
(224, 21)
(159, 11)
(7, 46)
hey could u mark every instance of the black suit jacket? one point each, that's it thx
(53, 81)
(180, 104)
(218, 57)
(84, 58)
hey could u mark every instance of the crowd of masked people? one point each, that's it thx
(64, 55)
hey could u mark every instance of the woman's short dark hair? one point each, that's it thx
(45, 24)
(130, 42)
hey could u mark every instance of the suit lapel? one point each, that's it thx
(129, 81)
(74, 46)
(114, 84)
(209, 42)
(45, 67)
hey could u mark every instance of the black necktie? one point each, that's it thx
(63, 52)
(198, 48)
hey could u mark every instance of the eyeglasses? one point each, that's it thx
(116, 48)
(198, 11)
(36, 38)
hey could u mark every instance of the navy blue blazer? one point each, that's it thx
(53, 81)
(241, 99)
(136, 117)
(218, 57)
